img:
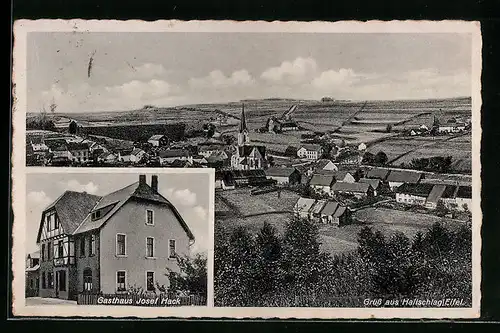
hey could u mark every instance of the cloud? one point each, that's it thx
(291, 72)
(75, 185)
(147, 71)
(333, 79)
(183, 197)
(200, 212)
(217, 79)
(39, 199)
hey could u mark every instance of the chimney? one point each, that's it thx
(154, 183)
(142, 179)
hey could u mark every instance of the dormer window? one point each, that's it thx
(96, 215)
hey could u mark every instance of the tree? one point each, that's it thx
(368, 158)
(73, 127)
(441, 209)
(192, 277)
(380, 158)
(388, 128)
(269, 247)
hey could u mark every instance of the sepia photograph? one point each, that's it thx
(117, 239)
(345, 159)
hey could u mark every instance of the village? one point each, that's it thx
(328, 179)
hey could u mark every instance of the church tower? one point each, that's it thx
(243, 132)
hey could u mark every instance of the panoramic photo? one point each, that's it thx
(343, 161)
(117, 239)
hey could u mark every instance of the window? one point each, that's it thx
(44, 285)
(87, 279)
(50, 280)
(82, 246)
(60, 249)
(121, 281)
(61, 275)
(49, 251)
(92, 245)
(96, 215)
(171, 248)
(150, 281)
(121, 244)
(43, 252)
(149, 217)
(150, 246)
(56, 222)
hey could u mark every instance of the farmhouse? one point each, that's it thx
(325, 164)
(377, 173)
(434, 196)
(344, 176)
(284, 175)
(32, 285)
(107, 157)
(158, 140)
(452, 128)
(61, 151)
(224, 180)
(131, 156)
(359, 190)
(243, 178)
(399, 177)
(275, 125)
(169, 155)
(302, 207)
(315, 211)
(322, 183)
(376, 184)
(108, 244)
(413, 194)
(207, 150)
(336, 214)
(310, 151)
(464, 197)
(79, 151)
(38, 145)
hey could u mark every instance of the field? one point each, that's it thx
(251, 212)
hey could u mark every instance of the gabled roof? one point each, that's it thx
(422, 190)
(320, 164)
(339, 175)
(246, 150)
(304, 204)
(330, 208)
(351, 187)
(377, 173)
(374, 183)
(71, 208)
(318, 206)
(118, 198)
(340, 211)
(311, 146)
(464, 192)
(280, 172)
(436, 193)
(156, 137)
(173, 153)
(77, 146)
(321, 180)
(404, 176)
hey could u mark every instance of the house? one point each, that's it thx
(463, 198)
(207, 150)
(378, 173)
(315, 211)
(244, 178)
(284, 175)
(325, 164)
(302, 207)
(275, 125)
(107, 157)
(38, 145)
(224, 180)
(434, 196)
(452, 128)
(399, 177)
(349, 158)
(111, 243)
(32, 284)
(344, 176)
(322, 183)
(249, 157)
(413, 194)
(336, 214)
(158, 140)
(134, 155)
(359, 190)
(310, 151)
(80, 152)
(376, 184)
(291, 151)
(200, 159)
(169, 155)
(62, 152)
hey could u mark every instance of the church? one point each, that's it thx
(247, 156)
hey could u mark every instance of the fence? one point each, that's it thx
(160, 300)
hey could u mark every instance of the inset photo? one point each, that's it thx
(123, 238)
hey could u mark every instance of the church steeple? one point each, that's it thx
(243, 133)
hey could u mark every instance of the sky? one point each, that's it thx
(130, 70)
(189, 193)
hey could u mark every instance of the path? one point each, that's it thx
(269, 213)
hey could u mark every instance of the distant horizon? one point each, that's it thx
(259, 99)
